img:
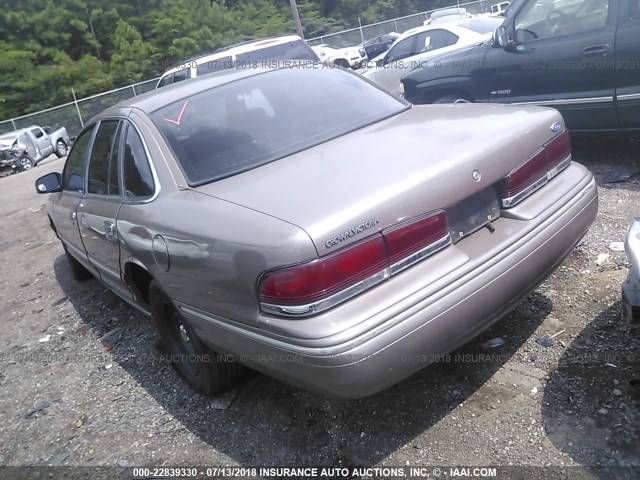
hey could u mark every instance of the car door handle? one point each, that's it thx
(596, 50)
(110, 231)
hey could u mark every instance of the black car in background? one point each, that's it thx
(377, 45)
(581, 57)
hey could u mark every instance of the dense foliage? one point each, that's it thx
(47, 46)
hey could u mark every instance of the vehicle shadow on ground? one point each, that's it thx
(583, 415)
(271, 423)
(613, 160)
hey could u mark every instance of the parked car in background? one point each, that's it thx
(581, 57)
(349, 57)
(447, 15)
(378, 45)
(631, 286)
(29, 146)
(241, 55)
(312, 226)
(415, 47)
(14, 156)
(499, 8)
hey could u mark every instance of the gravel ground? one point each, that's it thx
(81, 381)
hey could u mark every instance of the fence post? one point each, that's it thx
(361, 32)
(14, 124)
(395, 25)
(75, 101)
(133, 87)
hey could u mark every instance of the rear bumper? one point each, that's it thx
(412, 333)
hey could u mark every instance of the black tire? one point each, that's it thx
(451, 98)
(78, 271)
(203, 369)
(340, 62)
(61, 149)
(25, 163)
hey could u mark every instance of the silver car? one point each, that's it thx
(309, 225)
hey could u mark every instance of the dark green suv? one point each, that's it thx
(579, 56)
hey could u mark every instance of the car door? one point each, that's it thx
(409, 54)
(65, 204)
(627, 67)
(98, 210)
(44, 142)
(38, 135)
(559, 57)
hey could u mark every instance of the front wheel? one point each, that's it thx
(452, 98)
(61, 149)
(204, 370)
(25, 163)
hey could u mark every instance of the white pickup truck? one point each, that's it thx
(25, 148)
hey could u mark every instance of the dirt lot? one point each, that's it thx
(81, 382)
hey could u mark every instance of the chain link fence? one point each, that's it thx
(354, 36)
(74, 114)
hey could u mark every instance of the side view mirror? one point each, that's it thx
(49, 183)
(502, 38)
(46, 129)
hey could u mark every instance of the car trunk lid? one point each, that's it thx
(427, 158)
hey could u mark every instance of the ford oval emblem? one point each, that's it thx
(476, 175)
(556, 126)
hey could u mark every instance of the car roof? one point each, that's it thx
(454, 26)
(235, 49)
(156, 99)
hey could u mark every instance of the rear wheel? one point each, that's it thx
(61, 149)
(78, 271)
(204, 370)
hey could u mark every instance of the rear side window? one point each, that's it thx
(73, 174)
(101, 157)
(37, 133)
(213, 66)
(296, 50)
(138, 178)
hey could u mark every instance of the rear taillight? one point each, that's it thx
(314, 286)
(300, 289)
(541, 167)
(409, 242)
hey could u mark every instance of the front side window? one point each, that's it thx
(401, 50)
(138, 179)
(101, 157)
(258, 119)
(181, 75)
(542, 19)
(73, 173)
(166, 80)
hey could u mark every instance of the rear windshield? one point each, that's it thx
(295, 50)
(258, 119)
